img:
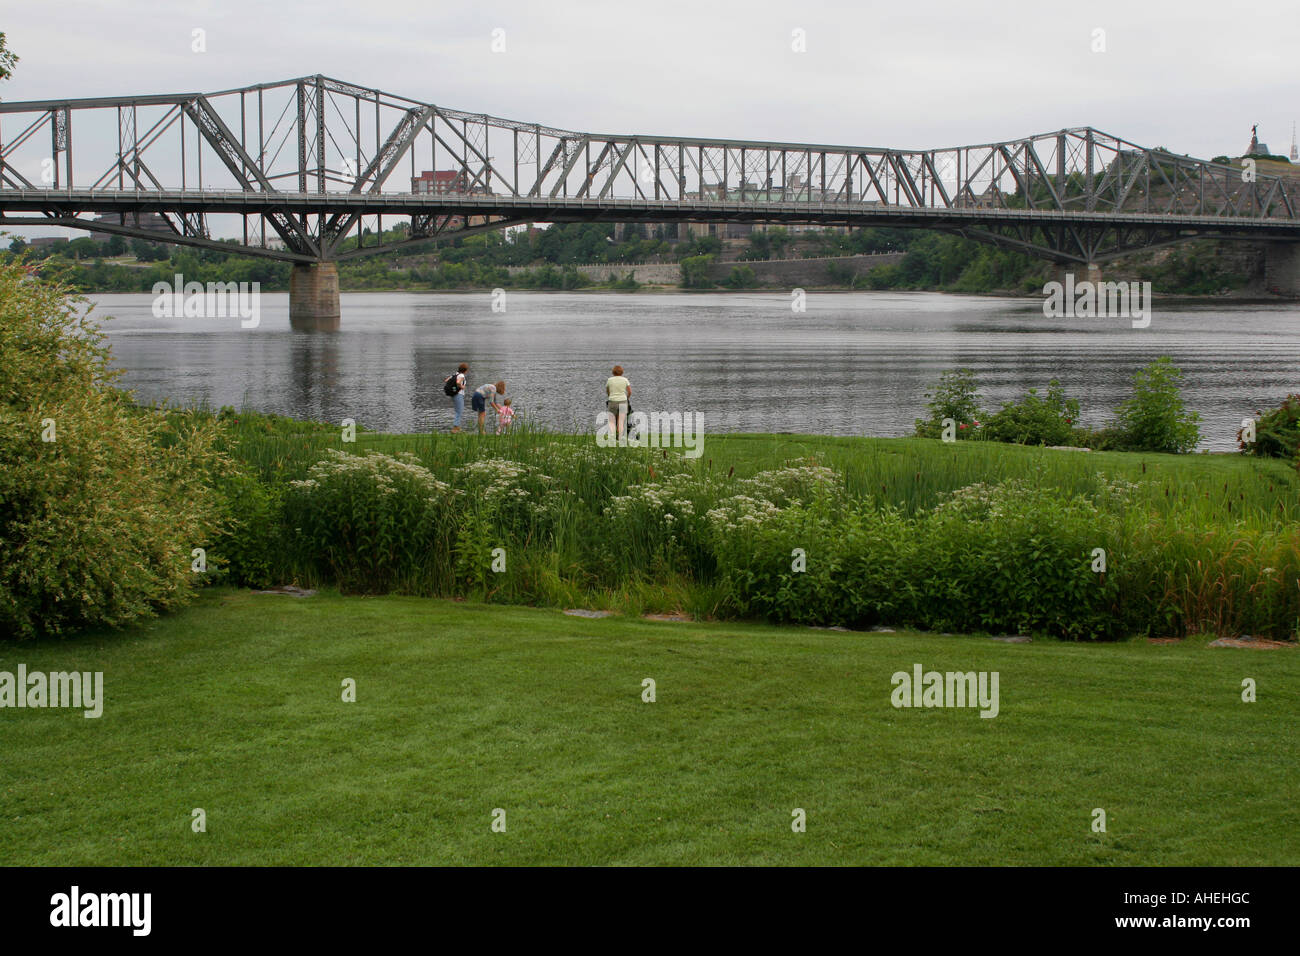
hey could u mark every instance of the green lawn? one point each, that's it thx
(233, 705)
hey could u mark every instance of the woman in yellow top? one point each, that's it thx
(617, 392)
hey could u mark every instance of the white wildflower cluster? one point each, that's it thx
(798, 481)
(502, 481)
(978, 501)
(763, 496)
(1012, 498)
(387, 474)
(1116, 491)
(741, 513)
(670, 500)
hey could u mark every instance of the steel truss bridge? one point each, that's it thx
(306, 170)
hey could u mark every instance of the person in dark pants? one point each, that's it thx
(482, 396)
(618, 395)
(458, 399)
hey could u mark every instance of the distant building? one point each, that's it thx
(1295, 153)
(149, 222)
(440, 181)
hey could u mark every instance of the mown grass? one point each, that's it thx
(233, 705)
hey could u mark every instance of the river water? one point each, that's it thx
(851, 364)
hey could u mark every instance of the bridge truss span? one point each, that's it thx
(308, 169)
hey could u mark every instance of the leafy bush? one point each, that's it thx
(696, 272)
(1014, 558)
(101, 503)
(1036, 421)
(253, 550)
(374, 523)
(742, 277)
(783, 565)
(956, 397)
(1154, 418)
(1277, 432)
(1006, 557)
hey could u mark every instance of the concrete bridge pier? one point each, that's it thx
(1082, 273)
(1282, 268)
(314, 297)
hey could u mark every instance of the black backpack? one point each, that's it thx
(450, 385)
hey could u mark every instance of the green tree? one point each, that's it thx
(695, 272)
(8, 60)
(1155, 418)
(956, 397)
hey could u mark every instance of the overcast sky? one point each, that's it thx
(1192, 75)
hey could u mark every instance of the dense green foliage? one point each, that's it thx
(1031, 420)
(548, 259)
(102, 504)
(1153, 418)
(968, 536)
(1277, 432)
(955, 398)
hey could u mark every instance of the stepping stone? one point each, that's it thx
(680, 618)
(1014, 639)
(583, 612)
(290, 590)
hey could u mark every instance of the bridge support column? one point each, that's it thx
(314, 297)
(1082, 273)
(1282, 268)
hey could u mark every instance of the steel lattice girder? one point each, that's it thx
(1070, 195)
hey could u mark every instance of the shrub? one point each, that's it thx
(374, 523)
(252, 551)
(1015, 558)
(1036, 421)
(97, 525)
(742, 277)
(1277, 432)
(656, 524)
(956, 397)
(782, 565)
(696, 270)
(1154, 418)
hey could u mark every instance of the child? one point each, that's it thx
(505, 415)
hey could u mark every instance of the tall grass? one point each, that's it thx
(1209, 542)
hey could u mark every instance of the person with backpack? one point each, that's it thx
(484, 394)
(454, 387)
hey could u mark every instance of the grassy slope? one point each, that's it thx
(234, 706)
